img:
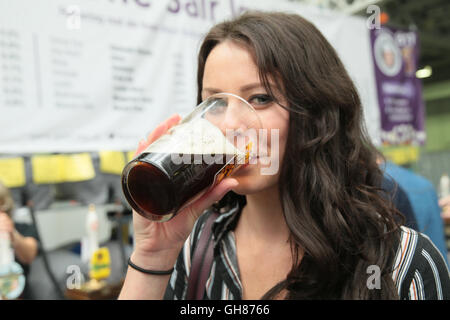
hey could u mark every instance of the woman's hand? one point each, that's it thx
(157, 244)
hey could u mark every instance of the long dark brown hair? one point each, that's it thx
(329, 179)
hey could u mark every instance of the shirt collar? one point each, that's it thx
(226, 221)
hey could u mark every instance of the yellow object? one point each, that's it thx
(402, 154)
(112, 161)
(62, 168)
(12, 172)
(100, 264)
(130, 155)
(248, 149)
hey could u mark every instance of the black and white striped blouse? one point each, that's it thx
(420, 272)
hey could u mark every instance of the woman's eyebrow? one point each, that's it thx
(212, 90)
(251, 86)
(244, 88)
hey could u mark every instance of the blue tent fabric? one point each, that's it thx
(424, 201)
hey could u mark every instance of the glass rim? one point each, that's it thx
(201, 105)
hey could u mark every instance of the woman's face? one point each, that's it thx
(230, 67)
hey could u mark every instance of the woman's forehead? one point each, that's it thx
(229, 57)
(231, 60)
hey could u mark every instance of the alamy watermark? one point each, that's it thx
(73, 19)
(374, 280)
(374, 20)
(252, 147)
(75, 278)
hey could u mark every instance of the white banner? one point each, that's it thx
(85, 75)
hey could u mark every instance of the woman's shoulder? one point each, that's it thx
(412, 240)
(419, 271)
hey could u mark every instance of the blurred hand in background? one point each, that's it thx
(444, 203)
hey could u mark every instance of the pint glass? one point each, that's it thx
(211, 143)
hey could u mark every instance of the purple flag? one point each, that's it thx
(395, 53)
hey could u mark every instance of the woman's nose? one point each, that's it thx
(233, 117)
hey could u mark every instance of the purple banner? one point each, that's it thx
(395, 53)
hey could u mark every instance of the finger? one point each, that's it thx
(444, 201)
(6, 228)
(4, 218)
(212, 196)
(163, 127)
(158, 132)
(140, 148)
(445, 214)
(173, 120)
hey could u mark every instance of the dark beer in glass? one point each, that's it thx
(191, 157)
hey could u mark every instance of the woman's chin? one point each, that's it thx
(247, 185)
(251, 181)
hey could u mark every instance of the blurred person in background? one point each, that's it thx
(424, 201)
(23, 235)
(398, 196)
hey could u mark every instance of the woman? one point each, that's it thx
(23, 236)
(313, 229)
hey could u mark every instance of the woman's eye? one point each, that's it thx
(260, 100)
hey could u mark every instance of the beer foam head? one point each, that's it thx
(198, 136)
